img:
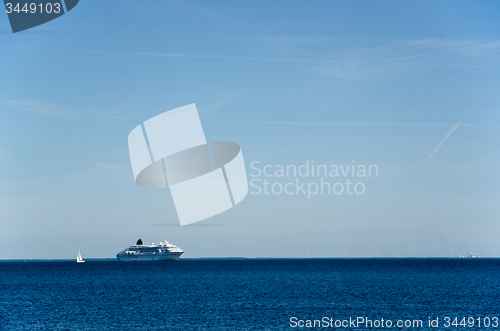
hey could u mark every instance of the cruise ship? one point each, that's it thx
(139, 252)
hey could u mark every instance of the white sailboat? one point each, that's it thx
(79, 258)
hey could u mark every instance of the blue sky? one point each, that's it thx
(375, 82)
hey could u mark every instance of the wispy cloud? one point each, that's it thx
(205, 56)
(373, 62)
(38, 107)
(362, 59)
(470, 47)
(289, 44)
(304, 40)
(56, 110)
(391, 57)
(353, 123)
(214, 106)
(354, 58)
(351, 58)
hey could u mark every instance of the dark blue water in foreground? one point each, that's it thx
(245, 294)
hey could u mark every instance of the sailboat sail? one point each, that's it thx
(79, 257)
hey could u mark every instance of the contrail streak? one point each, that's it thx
(440, 144)
(453, 128)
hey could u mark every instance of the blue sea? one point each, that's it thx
(250, 294)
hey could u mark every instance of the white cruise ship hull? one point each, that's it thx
(168, 256)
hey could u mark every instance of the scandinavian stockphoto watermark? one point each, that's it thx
(310, 178)
(365, 323)
(205, 178)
